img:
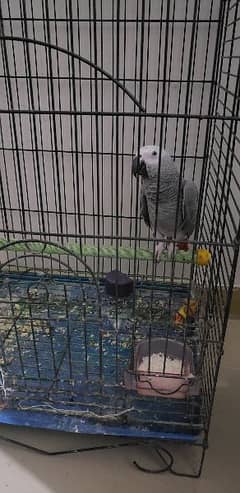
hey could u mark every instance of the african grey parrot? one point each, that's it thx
(146, 166)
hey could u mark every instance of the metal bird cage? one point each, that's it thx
(83, 85)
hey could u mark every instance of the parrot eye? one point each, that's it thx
(154, 153)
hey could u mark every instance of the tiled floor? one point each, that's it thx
(112, 471)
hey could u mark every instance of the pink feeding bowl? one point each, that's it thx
(164, 384)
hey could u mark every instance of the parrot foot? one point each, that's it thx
(164, 247)
(160, 247)
(170, 248)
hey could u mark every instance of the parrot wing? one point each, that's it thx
(190, 205)
(144, 209)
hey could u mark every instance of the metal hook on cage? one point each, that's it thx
(168, 459)
(168, 463)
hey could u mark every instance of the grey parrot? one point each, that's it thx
(146, 166)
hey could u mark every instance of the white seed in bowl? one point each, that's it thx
(158, 363)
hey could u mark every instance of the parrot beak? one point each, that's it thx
(139, 167)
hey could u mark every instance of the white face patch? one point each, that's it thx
(150, 154)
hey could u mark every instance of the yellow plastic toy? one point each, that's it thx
(203, 256)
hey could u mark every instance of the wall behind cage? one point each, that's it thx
(66, 167)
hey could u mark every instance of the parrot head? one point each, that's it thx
(146, 163)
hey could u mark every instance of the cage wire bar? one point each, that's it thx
(83, 86)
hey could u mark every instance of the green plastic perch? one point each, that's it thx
(201, 257)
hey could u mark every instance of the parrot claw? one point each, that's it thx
(160, 247)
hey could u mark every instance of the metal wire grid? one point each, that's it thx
(221, 204)
(56, 358)
(69, 125)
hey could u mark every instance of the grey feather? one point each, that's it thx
(165, 197)
(190, 205)
(144, 209)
